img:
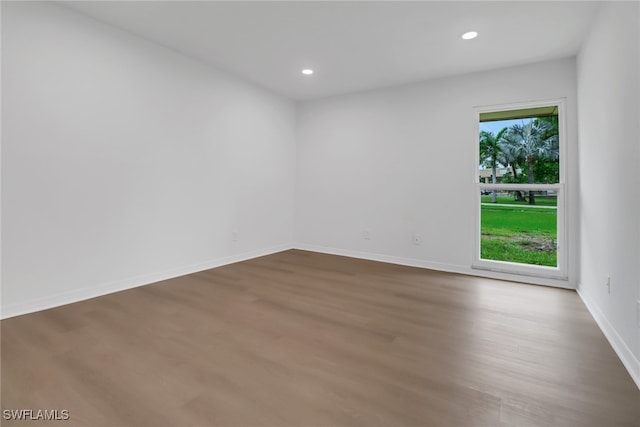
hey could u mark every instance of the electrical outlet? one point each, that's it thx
(608, 284)
(235, 235)
(417, 239)
(366, 234)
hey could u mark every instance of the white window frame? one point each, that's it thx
(560, 271)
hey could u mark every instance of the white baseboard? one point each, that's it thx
(450, 268)
(626, 356)
(629, 360)
(64, 298)
(370, 256)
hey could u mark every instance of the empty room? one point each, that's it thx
(320, 213)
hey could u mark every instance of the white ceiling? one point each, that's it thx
(355, 45)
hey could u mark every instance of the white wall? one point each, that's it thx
(400, 161)
(609, 133)
(124, 162)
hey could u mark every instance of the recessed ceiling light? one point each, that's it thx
(470, 35)
(307, 71)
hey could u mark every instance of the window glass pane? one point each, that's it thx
(512, 230)
(520, 150)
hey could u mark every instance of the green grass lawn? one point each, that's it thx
(510, 200)
(519, 234)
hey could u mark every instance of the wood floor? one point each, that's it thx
(305, 339)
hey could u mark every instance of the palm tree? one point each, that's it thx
(511, 157)
(536, 139)
(491, 154)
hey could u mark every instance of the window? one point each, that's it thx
(520, 191)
